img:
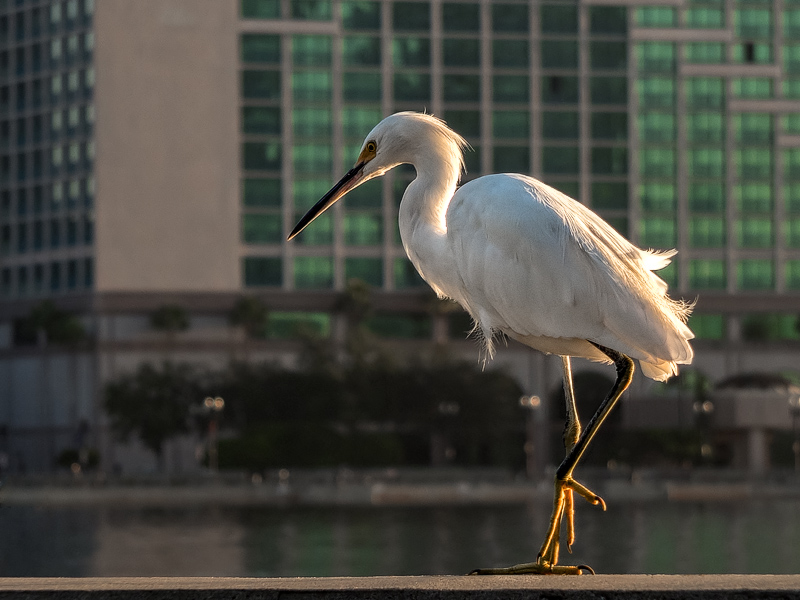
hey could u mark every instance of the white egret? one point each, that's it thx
(529, 262)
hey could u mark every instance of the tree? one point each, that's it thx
(153, 403)
(251, 314)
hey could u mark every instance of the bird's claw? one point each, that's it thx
(536, 568)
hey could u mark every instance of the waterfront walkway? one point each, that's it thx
(610, 587)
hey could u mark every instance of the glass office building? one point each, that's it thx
(160, 153)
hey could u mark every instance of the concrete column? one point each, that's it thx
(757, 451)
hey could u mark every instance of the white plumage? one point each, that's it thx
(529, 262)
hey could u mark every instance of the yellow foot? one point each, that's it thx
(536, 568)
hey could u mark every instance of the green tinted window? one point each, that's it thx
(707, 274)
(792, 233)
(311, 50)
(259, 271)
(457, 52)
(261, 120)
(509, 17)
(793, 274)
(261, 48)
(752, 87)
(655, 57)
(607, 195)
(363, 229)
(656, 16)
(791, 124)
(608, 55)
(753, 163)
(704, 52)
(655, 92)
(559, 18)
(312, 158)
(706, 162)
(707, 232)
(462, 88)
(705, 18)
(510, 88)
(312, 272)
(707, 326)
(791, 23)
(312, 122)
(514, 159)
(465, 122)
(405, 275)
(358, 121)
(306, 192)
(557, 89)
(657, 232)
(411, 16)
(461, 16)
(312, 86)
(705, 128)
(791, 163)
(557, 160)
(361, 51)
(704, 92)
(707, 197)
(608, 19)
(261, 156)
(657, 197)
(753, 128)
(261, 192)
(755, 274)
(608, 90)
(570, 188)
(510, 124)
(265, 85)
(412, 87)
(791, 197)
(261, 9)
(754, 233)
(320, 233)
(369, 270)
(657, 127)
(559, 54)
(753, 22)
(657, 162)
(753, 53)
(560, 125)
(791, 58)
(261, 228)
(361, 87)
(411, 52)
(609, 161)
(262, 271)
(361, 15)
(609, 126)
(510, 53)
(753, 197)
(319, 10)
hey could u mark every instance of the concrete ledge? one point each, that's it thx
(406, 588)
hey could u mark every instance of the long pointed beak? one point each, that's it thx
(346, 183)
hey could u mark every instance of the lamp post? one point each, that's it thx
(532, 404)
(703, 412)
(794, 408)
(213, 407)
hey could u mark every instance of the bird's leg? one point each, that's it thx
(572, 432)
(565, 485)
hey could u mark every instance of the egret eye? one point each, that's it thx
(371, 147)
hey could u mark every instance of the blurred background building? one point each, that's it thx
(154, 153)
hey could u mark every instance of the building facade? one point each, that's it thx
(157, 152)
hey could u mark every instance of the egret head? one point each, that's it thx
(404, 137)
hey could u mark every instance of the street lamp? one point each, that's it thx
(213, 407)
(794, 408)
(533, 404)
(703, 412)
